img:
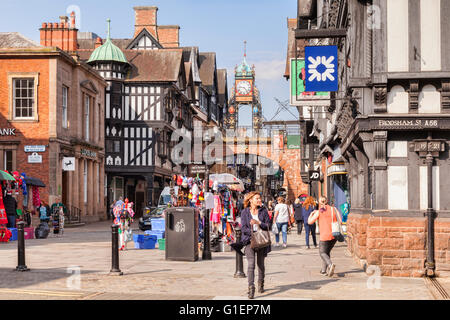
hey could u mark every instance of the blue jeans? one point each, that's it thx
(224, 225)
(283, 228)
(11, 221)
(310, 229)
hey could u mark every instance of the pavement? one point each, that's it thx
(76, 267)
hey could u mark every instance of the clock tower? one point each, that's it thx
(244, 92)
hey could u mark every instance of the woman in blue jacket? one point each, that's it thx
(307, 208)
(253, 216)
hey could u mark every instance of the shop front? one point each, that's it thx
(79, 181)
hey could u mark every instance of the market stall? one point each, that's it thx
(21, 193)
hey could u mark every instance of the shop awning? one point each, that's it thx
(34, 182)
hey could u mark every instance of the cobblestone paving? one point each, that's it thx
(291, 273)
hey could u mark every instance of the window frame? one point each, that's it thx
(12, 76)
(86, 115)
(65, 107)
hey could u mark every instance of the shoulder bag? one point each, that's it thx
(336, 227)
(260, 238)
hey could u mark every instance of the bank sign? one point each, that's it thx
(321, 68)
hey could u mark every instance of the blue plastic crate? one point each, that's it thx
(13, 234)
(142, 241)
(159, 234)
(158, 224)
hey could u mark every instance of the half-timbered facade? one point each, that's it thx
(154, 91)
(391, 110)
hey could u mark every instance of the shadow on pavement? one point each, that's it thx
(145, 272)
(309, 285)
(12, 279)
(343, 274)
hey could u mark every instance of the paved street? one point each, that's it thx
(291, 273)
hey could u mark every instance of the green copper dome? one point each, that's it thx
(108, 51)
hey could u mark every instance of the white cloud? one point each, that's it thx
(270, 70)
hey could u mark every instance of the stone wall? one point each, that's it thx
(397, 244)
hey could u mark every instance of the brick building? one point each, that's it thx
(51, 100)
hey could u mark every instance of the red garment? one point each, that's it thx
(5, 234)
(3, 216)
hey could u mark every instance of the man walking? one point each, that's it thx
(11, 210)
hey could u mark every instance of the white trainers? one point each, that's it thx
(284, 245)
(330, 270)
(277, 244)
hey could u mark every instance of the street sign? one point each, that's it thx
(293, 142)
(314, 175)
(34, 148)
(299, 96)
(68, 164)
(197, 168)
(35, 158)
(321, 68)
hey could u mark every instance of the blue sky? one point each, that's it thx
(219, 26)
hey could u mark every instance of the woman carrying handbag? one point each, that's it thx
(329, 220)
(255, 223)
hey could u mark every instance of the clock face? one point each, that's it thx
(244, 87)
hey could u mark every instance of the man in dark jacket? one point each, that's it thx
(298, 215)
(11, 210)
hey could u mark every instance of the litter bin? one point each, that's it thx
(182, 234)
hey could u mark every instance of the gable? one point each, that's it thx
(89, 85)
(144, 41)
(194, 62)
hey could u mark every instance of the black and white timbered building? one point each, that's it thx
(154, 91)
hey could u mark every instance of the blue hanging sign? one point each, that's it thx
(321, 68)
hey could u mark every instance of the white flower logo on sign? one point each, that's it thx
(321, 68)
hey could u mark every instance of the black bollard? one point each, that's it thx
(21, 266)
(239, 258)
(115, 251)
(206, 255)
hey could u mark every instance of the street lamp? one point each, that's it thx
(206, 254)
(429, 149)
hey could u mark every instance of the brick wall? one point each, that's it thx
(397, 244)
(28, 133)
(146, 17)
(169, 36)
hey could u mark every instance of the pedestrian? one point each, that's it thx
(11, 210)
(306, 209)
(326, 215)
(254, 216)
(298, 216)
(44, 212)
(119, 202)
(281, 218)
(270, 208)
(240, 204)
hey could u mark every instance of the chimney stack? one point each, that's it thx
(146, 17)
(60, 34)
(169, 36)
(98, 42)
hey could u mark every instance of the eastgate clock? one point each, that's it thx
(244, 87)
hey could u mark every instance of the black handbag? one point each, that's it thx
(260, 238)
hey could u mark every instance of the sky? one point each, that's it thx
(219, 26)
